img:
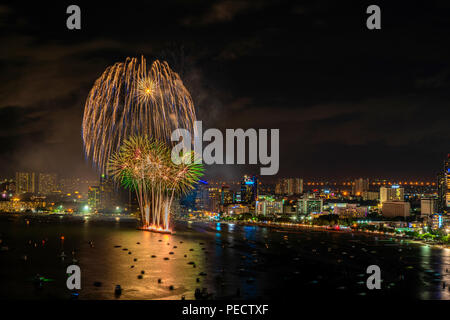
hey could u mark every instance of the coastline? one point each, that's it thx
(332, 229)
(274, 225)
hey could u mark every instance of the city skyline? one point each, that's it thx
(225, 150)
(334, 120)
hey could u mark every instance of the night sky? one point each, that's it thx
(348, 101)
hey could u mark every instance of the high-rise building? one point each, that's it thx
(278, 187)
(370, 195)
(447, 182)
(226, 196)
(47, 183)
(201, 196)
(298, 186)
(289, 186)
(392, 193)
(436, 221)
(444, 187)
(267, 205)
(235, 209)
(359, 186)
(396, 209)
(214, 194)
(249, 189)
(73, 185)
(108, 195)
(442, 190)
(237, 197)
(266, 188)
(94, 198)
(25, 182)
(427, 206)
(308, 205)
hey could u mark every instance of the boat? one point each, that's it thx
(118, 290)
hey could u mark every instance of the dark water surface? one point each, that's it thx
(231, 261)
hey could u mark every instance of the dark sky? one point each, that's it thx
(348, 101)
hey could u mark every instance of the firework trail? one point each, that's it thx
(145, 166)
(129, 100)
(129, 116)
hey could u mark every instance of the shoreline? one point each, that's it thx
(273, 225)
(331, 229)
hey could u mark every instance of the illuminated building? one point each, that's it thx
(436, 221)
(396, 209)
(236, 209)
(108, 196)
(447, 182)
(289, 186)
(213, 199)
(7, 189)
(444, 187)
(392, 193)
(25, 182)
(226, 195)
(266, 188)
(15, 205)
(278, 188)
(249, 189)
(359, 186)
(350, 210)
(267, 205)
(370, 195)
(428, 206)
(297, 186)
(47, 183)
(290, 208)
(201, 195)
(73, 185)
(94, 198)
(308, 205)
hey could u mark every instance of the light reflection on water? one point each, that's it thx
(231, 261)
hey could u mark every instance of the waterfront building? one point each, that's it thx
(391, 193)
(397, 208)
(94, 198)
(428, 206)
(289, 186)
(350, 210)
(249, 189)
(268, 205)
(444, 187)
(25, 182)
(308, 205)
(47, 183)
(236, 209)
(109, 198)
(15, 205)
(442, 190)
(226, 196)
(436, 221)
(213, 202)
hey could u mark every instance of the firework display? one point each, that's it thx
(129, 100)
(128, 119)
(145, 166)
